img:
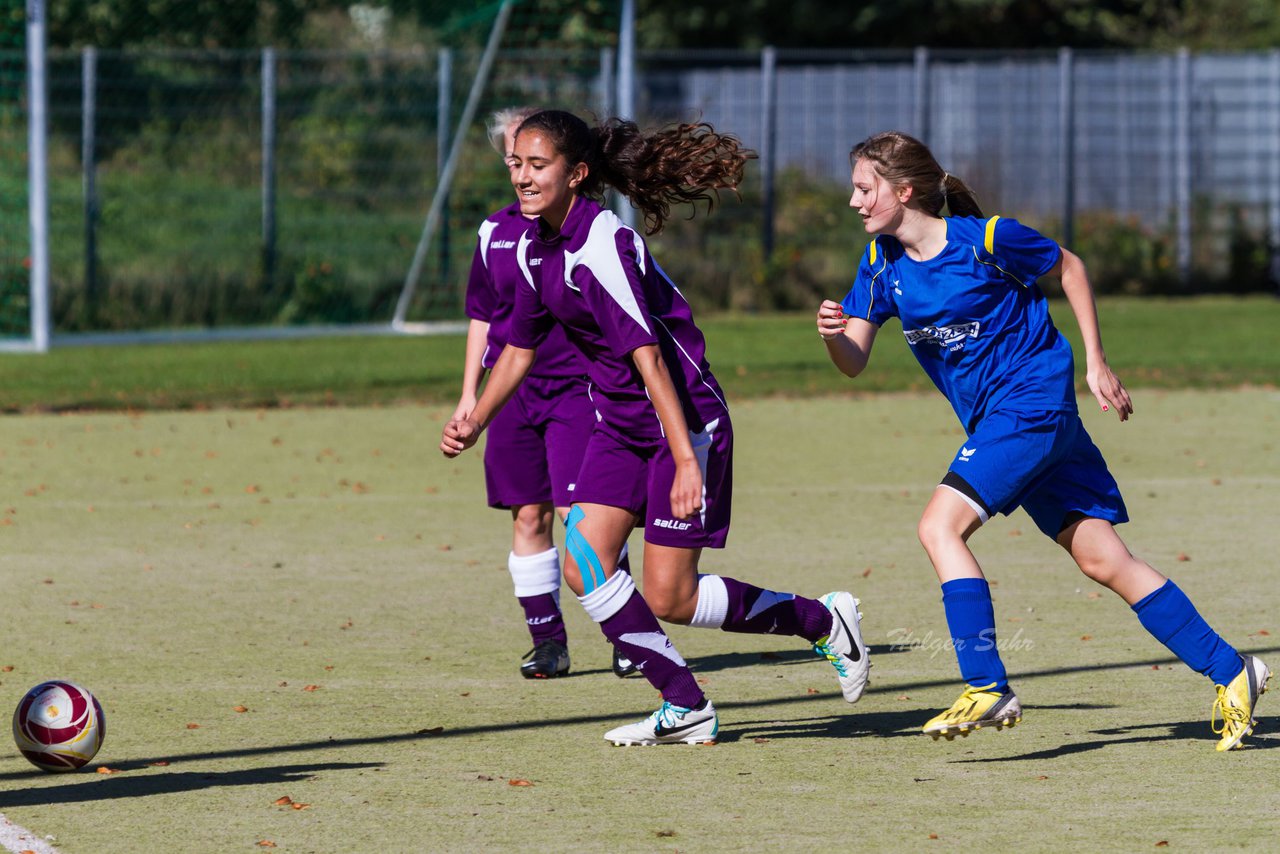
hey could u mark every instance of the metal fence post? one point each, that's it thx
(1182, 164)
(1274, 217)
(627, 89)
(607, 59)
(89, 172)
(269, 166)
(1066, 143)
(444, 92)
(38, 171)
(768, 145)
(923, 106)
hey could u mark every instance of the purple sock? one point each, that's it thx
(752, 610)
(634, 632)
(542, 616)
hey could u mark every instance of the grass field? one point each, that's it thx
(328, 571)
(1209, 342)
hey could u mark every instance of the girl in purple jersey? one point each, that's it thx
(964, 289)
(535, 446)
(661, 450)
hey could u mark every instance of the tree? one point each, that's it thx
(1220, 24)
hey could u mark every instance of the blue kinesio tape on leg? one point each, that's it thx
(589, 566)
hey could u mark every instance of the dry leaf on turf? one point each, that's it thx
(283, 801)
(239, 708)
(193, 726)
(519, 783)
(311, 688)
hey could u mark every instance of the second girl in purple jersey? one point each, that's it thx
(535, 446)
(661, 451)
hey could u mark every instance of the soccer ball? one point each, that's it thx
(58, 726)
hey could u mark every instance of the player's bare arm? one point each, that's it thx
(848, 339)
(512, 367)
(686, 489)
(472, 368)
(1103, 383)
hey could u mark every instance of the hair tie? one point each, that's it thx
(945, 176)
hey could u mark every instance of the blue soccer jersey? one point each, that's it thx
(974, 316)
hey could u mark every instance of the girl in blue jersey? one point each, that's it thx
(964, 289)
(535, 446)
(660, 453)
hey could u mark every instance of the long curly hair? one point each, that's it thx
(683, 163)
(905, 161)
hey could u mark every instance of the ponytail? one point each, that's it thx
(684, 163)
(960, 200)
(903, 160)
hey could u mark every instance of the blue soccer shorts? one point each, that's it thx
(1044, 462)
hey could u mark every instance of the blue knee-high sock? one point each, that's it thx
(1171, 618)
(972, 620)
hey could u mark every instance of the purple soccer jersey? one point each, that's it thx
(535, 444)
(491, 292)
(598, 280)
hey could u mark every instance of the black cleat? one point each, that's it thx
(545, 661)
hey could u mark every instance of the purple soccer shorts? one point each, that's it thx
(535, 444)
(619, 472)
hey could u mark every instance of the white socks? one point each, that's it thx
(608, 599)
(713, 603)
(534, 575)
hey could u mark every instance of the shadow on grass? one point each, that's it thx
(852, 721)
(97, 788)
(787, 657)
(803, 655)
(1196, 731)
(732, 660)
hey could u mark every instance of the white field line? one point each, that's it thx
(17, 839)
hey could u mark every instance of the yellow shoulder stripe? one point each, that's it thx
(989, 241)
(871, 251)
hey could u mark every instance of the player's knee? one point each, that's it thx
(1102, 571)
(1108, 567)
(532, 525)
(935, 534)
(670, 608)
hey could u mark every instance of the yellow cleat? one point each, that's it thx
(976, 708)
(1236, 702)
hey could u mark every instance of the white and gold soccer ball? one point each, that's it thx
(58, 726)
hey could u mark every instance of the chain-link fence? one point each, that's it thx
(15, 317)
(196, 188)
(1162, 170)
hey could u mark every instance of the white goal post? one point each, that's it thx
(37, 338)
